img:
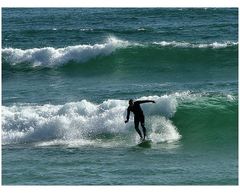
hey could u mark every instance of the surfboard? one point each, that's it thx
(145, 143)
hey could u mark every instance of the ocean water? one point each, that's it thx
(67, 76)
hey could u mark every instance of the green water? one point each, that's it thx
(67, 76)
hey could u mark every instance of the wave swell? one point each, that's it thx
(199, 119)
(54, 57)
(87, 123)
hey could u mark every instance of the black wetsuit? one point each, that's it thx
(138, 115)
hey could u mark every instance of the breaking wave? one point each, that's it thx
(54, 57)
(201, 118)
(87, 123)
(51, 57)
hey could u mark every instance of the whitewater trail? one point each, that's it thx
(87, 123)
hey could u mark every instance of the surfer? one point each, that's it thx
(138, 115)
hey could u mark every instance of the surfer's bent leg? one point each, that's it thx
(136, 123)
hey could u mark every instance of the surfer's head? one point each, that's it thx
(130, 102)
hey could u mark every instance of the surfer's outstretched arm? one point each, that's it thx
(128, 115)
(145, 101)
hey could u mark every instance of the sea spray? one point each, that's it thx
(85, 121)
(52, 57)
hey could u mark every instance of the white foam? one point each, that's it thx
(51, 57)
(214, 45)
(141, 29)
(230, 97)
(172, 43)
(163, 130)
(86, 29)
(87, 123)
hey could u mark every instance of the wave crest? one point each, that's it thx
(51, 57)
(213, 45)
(87, 122)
